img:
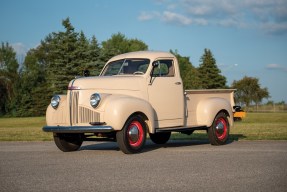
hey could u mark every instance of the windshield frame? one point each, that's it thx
(126, 66)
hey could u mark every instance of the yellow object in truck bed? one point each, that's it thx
(239, 115)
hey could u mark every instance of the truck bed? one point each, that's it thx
(194, 97)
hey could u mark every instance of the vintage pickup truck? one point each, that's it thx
(136, 94)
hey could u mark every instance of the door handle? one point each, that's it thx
(178, 83)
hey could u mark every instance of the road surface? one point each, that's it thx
(176, 166)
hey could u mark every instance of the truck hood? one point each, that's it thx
(132, 83)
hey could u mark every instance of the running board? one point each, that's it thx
(181, 129)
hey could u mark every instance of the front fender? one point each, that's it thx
(119, 108)
(207, 110)
(60, 116)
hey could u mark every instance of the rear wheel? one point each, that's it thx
(132, 137)
(67, 142)
(160, 138)
(218, 133)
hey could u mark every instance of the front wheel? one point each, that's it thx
(67, 142)
(218, 133)
(132, 137)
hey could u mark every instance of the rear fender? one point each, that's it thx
(207, 110)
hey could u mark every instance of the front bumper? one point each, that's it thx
(78, 129)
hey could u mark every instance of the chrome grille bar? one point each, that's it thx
(79, 114)
(74, 108)
(86, 115)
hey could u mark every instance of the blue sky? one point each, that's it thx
(246, 37)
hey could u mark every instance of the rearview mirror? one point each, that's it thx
(86, 73)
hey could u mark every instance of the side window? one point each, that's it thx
(143, 68)
(164, 69)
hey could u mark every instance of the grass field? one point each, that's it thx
(23, 129)
(256, 126)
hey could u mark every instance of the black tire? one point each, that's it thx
(218, 133)
(160, 138)
(131, 139)
(67, 142)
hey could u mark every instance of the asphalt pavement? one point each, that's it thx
(176, 166)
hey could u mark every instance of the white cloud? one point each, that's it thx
(172, 6)
(274, 28)
(199, 10)
(145, 16)
(20, 48)
(21, 51)
(168, 17)
(274, 66)
(172, 17)
(266, 15)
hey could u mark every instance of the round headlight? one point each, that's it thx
(55, 101)
(95, 100)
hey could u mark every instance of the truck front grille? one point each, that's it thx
(79, 114)
(87, 115)
(74, 107)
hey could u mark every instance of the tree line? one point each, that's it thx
(62, 56)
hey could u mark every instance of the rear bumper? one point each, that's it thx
(78, 129)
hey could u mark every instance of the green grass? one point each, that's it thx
(261, 126)
(23, 129)
(256, 126)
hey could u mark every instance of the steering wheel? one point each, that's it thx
(138, 73)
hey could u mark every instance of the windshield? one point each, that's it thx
(126, 67)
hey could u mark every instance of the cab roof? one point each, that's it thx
(152, 55)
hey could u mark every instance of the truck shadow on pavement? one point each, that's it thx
(236, 137)
(150, 146)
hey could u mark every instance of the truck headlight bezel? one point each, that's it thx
(95, 100)
(55, 101)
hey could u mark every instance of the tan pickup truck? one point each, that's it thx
(136, 94)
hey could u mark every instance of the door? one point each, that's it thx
(166, 94)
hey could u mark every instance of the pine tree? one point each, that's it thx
(209, 73)
(47, 69)
(188, 72)
(96, 61)
(63, 63)
(82, 50)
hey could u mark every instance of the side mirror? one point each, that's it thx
(155, 64)
(86, 73)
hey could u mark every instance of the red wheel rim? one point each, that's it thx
(135, 134)
(221, 129)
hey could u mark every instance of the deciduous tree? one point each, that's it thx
(31, 98)
(119, 44)
(8, 76)
(249, 90)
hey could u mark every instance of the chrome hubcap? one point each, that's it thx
(220, 128)
(134, 134)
